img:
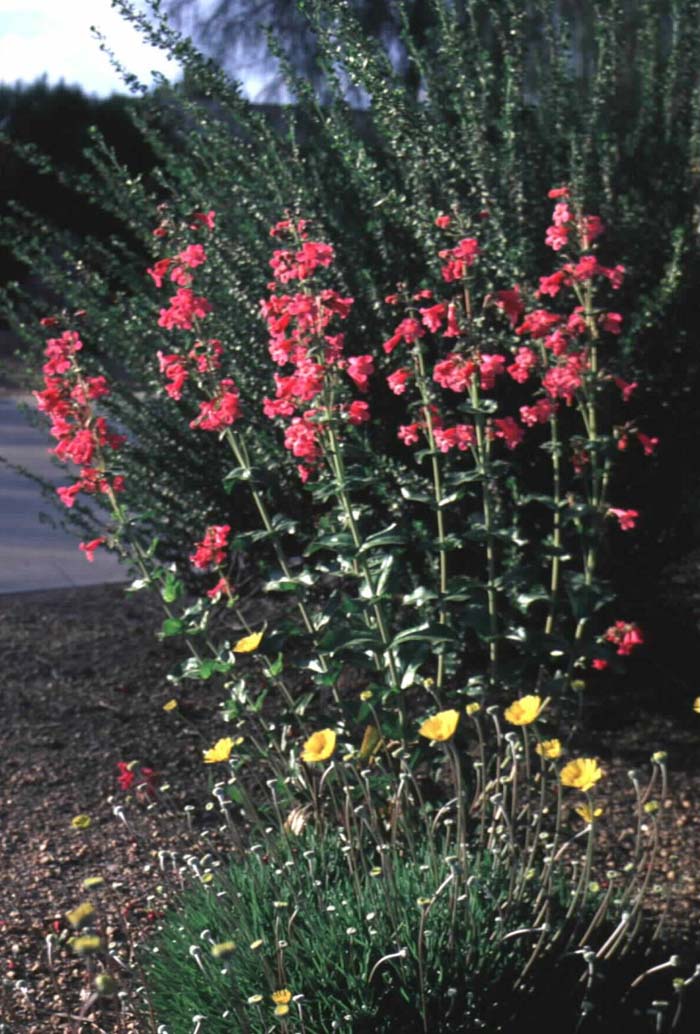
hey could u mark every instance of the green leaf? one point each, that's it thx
(172, 588)
(387, 537)
(172, 626)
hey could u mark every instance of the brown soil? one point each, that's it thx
(82, 685)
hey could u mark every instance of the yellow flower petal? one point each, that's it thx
(170, 706)
(581, 773)
(525, 710)
(221, 751)
(81, 822)
(248, 643)
(440, 727)
(86, 944)
(550, 749)
(319, 746)
(472, 708)
(80, 915)
(696, 705)
(587, 813)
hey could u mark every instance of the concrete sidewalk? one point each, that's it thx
(33, 554)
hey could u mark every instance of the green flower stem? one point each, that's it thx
(483, 452)
(137, 554)
(338, 469)
(556, 526)
(240, 451)
(421, 381)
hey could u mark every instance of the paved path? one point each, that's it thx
(33, 554)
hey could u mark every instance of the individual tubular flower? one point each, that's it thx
(221, 411)
(524, 363)
(211, 551)
(185, 307)
(319, 746)
(540, 413)
(440, 727)
(525, 710)
(509, 431)
(581, 774)
(627, 519)
(625, 635)
(459, 259)
(89, 548)
(359, 369)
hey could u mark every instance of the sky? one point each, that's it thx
(52, 38)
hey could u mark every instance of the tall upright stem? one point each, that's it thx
(483, 456)
(556, 526)
(437, 491)
(360, 564)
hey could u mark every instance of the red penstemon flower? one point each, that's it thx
(82, 437)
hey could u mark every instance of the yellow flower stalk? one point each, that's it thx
(440, 727)
(221, 751)
(581, 773)
(549, 749)
(319, 746)
(248, 643)
(525, 710)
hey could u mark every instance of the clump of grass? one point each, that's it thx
(443, 886)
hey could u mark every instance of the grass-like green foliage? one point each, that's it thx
(337, 928)
(380, 910)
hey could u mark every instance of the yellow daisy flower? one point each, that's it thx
(440, 727)
(81, 822)
(221, 751)
(696, 705)
(472, 708)
(581, 773)
(525, 710)
(549, 749)
(248, 643)
(319, 746)
(170, 706)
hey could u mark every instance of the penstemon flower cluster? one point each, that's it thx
(482, 379)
